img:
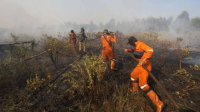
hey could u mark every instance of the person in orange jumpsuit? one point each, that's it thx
(73, 38)
(107, 51)
(143, 53)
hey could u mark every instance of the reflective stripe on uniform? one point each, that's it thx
(133, 79)
(138, 44)
(150, 50)
(142, 87)
(113, 59)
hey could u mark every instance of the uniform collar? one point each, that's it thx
(105, 35)
(136, 43)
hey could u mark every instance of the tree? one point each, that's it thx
(110, 24)
(195, 23)
(183, 17)
(92, 26)
(182, 22)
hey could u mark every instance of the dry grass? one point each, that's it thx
(89, 86)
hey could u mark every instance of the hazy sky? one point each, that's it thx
(52, 12)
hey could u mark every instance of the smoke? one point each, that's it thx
(19, 19)
(35, 18)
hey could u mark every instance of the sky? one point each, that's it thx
(34, 13)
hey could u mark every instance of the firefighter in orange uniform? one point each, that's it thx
(143, 53)
(107, 51)
(73, 38)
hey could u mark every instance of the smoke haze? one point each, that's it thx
(53, 16)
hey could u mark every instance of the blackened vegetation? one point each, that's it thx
(89, 85)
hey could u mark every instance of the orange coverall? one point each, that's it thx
(139, 71)
(142, 74)
(107, 51)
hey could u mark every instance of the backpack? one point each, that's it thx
(138, 54)
(81, 36)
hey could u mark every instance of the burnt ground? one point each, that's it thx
(181, 84)
(112, 93)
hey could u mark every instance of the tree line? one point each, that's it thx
(181, 25)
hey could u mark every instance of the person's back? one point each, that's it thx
(107, 41)
(81, 38)
(82, 35)
(107, 52)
